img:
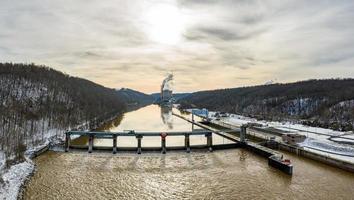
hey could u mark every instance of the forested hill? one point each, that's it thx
(157, 96)
(37, 102)
(133, 97)
(325, 103)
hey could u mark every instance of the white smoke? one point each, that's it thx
(270, 82)
(167, 82)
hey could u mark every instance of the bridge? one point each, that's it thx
(139, 137)
(274, 158)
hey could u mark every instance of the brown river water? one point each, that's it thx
(224, 174)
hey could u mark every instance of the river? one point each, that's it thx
(224, 174)
(148, 119)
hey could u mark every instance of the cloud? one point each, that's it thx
(223, 43)
(220, 33)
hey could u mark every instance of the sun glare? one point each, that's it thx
(164, 24)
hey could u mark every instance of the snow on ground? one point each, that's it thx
(328, 147)
(317, 138)
(285, 126)
(239, 120)
(49, 137)
(345, 140)
(349, 136)
(13, 179)
(308, 129)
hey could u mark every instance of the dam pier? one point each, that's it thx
(200, 174)
(114, 136)
(274, 158)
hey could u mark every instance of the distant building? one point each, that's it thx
(293, 138)
(166, 95)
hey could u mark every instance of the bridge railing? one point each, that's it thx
(139, 136)
(133, 133)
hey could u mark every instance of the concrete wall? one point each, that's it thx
(40, 151)
(307, 154)
(259, 151)
(318, 157)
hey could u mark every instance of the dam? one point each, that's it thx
(200, 174)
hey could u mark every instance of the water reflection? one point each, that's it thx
(109, 125)
(198, 175)
(166, 118)
(243, 154)
(152, 118)
(166, 115)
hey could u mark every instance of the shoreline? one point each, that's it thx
(41, 149)
(11, 192)
(15, 177)
(312, 153)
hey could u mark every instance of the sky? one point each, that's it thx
(206, 44)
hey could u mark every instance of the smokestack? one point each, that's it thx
(167, 82)
(166, 88)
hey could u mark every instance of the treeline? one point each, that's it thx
(327, 103)
(37, 102)
(133, 97)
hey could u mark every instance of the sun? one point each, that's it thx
(164, 24)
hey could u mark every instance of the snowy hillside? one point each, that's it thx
(322, 103)
(37, 105)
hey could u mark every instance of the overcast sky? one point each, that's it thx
(207, 44)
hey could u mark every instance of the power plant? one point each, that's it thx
(166, 90)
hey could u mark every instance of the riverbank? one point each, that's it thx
(317, 146)
(14, 178)
(226, 174)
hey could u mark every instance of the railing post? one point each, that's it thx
(90, 143)
(187, 143)
(163, 142)
(67, 141)
(209, 137)
(139, 137)
(114, 143)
